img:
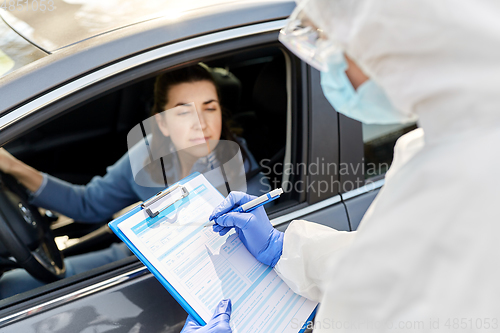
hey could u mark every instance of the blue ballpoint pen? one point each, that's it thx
(255, 203)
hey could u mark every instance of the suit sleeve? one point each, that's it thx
(309, 248)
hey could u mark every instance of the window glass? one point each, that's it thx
(379, 141)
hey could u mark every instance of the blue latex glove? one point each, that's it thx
(254, 228)
(218, 324)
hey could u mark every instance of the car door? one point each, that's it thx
(366, 155)
(124, 296)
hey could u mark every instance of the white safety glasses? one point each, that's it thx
(307, 41)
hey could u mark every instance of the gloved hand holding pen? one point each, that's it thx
(254, 228)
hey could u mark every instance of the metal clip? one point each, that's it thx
(162, 194)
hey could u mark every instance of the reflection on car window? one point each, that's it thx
(379, 141)
(15, 52)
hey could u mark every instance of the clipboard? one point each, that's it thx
(114, 227)
(153, 207)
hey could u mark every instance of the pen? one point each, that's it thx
(255, 203)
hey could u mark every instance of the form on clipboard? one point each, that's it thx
(200, 268)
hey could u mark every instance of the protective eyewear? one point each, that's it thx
(307, 41)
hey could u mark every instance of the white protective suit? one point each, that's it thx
(427, 253)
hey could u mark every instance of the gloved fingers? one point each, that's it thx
(233, 200)
(220, 320)
(221, 229)
(224, 231)
(272, 253)
(239, 220)
(190, 324)
(219, 323)
(217, 227)
(223, 310)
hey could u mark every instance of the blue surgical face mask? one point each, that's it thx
(369, 104)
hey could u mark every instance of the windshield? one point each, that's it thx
(15, 51)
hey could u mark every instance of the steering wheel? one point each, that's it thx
(26, 235)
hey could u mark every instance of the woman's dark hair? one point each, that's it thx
(163, 83)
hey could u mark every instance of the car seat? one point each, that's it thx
(264, 128)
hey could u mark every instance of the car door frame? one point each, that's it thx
(356, 192)
(324, 207)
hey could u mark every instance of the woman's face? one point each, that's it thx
(192, 117)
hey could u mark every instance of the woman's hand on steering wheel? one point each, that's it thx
(30, 178)
(25, 234)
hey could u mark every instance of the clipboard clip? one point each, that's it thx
(160, 195)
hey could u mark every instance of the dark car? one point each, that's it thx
(77, 76)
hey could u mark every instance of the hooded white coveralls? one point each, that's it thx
(426, 256)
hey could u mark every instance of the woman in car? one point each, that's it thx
(189, 122)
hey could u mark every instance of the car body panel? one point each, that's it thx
(323, 181)
(351, 154)
(15, 51)
(357, 205)
(139, 303)
(86, 19)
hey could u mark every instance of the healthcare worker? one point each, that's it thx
(425, 256)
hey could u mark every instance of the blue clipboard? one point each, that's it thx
(114, 226)
(185, 305)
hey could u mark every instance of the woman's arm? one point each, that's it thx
(94, 202)
(31, 178)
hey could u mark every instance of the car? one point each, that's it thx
(78, 76)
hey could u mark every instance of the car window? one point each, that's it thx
(15, 51)
(263, 111)
(379, 141)
(87, 139)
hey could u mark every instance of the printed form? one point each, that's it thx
(205, 268)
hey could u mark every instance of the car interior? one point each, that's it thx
(81, 142)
